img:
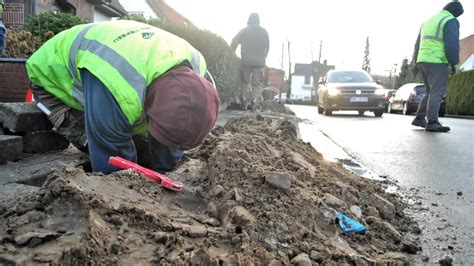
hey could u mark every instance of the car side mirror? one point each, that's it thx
(378, 81)
(322, 82)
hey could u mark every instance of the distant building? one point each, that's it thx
(17, 11)
(139, 7)
(305, 78)
(276, 79)
(466, 55)
(156, 9)
(302, 82)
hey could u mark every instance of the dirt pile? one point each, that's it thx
(275, 107)
(254, 194)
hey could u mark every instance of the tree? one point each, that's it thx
(406, 74)
(412, 76)
(366, 64)
(403, 75)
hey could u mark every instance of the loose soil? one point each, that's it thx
(229, 213)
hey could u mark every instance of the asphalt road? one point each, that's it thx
(434, 171)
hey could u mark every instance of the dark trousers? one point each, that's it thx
(435, 78)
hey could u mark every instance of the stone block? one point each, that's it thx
(12, 148)
(43, 141)
(23, 117)
(279, 180)
(34, 169)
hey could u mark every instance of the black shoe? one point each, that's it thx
(437, 127)
(419, 122)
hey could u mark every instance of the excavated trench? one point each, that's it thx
(254, 193)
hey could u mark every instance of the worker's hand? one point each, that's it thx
(454, 69)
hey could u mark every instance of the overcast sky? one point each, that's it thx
(343, 25)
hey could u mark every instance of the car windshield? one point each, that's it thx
(420, 90)
(349, 77)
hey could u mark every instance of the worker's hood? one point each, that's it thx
(181, 108)
(254, 20)
(455, 8)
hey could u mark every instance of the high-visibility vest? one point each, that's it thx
(432, 39)
(126, 56)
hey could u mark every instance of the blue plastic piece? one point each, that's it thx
(349, 225)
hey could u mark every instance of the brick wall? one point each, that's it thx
(13, 80)
(84, 9)
(276, 78)
(17, 11)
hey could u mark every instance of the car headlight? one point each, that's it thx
(334, 92)
(379, 92)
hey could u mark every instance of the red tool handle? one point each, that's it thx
(153, 176)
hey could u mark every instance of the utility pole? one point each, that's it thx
(288, 93)
(282, 68)
(320, 50)
(313, 90)
(282, 54)
(394, 68)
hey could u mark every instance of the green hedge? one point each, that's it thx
(460, 94)
(220, 58)
(47, 24)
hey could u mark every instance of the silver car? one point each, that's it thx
(350, 90)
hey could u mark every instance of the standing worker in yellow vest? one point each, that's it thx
(102, 85)
(437, 55)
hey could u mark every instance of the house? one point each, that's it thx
(17, 11)
(302, 82)
(305, 78)
(157, 9)
(466, 54)
(139, 8)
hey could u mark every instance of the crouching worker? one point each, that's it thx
(104, 85)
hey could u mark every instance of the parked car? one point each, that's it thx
(281, 99)
(277, 97)
(350, 90)
(388, 94)
(407, 98)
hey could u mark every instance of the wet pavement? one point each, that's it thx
(433, 172)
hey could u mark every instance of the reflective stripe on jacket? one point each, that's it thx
(432, 48)
(124, 55)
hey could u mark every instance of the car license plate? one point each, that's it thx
(359, 99)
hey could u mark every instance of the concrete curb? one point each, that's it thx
(460, 116)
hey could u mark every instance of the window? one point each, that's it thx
(349, 77)
(307, 79)
(420, 90)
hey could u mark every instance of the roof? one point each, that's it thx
(111, 8)
(167, 14)
(303, 70)
(467, 48)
